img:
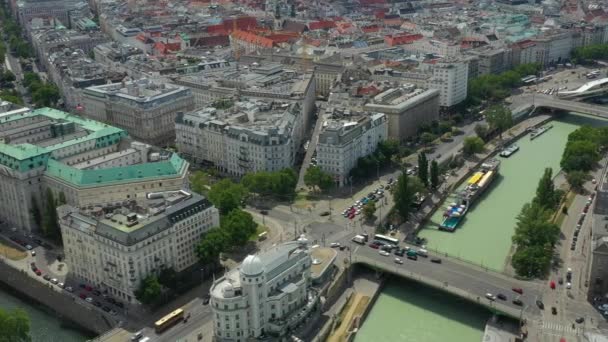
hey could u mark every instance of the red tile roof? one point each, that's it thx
(392, 40)
(321, 25)
(252, 39)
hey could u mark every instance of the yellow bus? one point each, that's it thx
(168, 321)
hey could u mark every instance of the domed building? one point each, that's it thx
(268, 294)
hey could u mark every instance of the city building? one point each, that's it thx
(347, 136)
(598, 278)
(247, 136)
(46, 40)
(61, 10)
(492, 60)
(146, 109)
(451, 78)
(115, 248)
(407, 108)
(266, 295)
(85, 161)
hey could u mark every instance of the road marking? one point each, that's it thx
(565, 328)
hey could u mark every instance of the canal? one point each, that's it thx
(44, 326)
(407, 311)
(484, 235)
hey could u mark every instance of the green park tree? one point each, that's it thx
(500, 118)
(577, 179)
(149, 291)
(404, 196)
(227, 195)
(317, 178)
(14, 326)
(238, 226)
(482, 131)
(369, 210)
(199, 181)
(211, 245)
(49, 219)
(36, 212)
(423, 169)
(546, 195)
(579, 155)
(472, 145)
(427, 138)
(434, 174)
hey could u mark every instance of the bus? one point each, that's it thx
(385, 238)
(531, 80)
(168, 321)
(528, 79)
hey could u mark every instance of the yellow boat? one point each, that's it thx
(475, 178)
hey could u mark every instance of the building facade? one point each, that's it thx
(268, 294)
(145, 109)
(115, 248)
(347, 138)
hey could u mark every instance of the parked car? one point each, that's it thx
(334, 244)
(554, 310)
(501, 296)
(106, 309)
(518, 290)
(490, 296)
(82, 296)
(69, 289)
(540, 305)
(384, 253)
(46, 277)
(412, 257)
(398, 261)
(89, 299)
(518, 302)
(436, 260)
(579, 320)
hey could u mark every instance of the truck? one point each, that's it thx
(360, 239)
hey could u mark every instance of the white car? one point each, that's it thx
(69, 289)
(61, 285)
(54, 281)
(490, 296)
(33, 253)
(29, 247)
(89, 300)
(384, 253)
(398, 261)
(334, 244)
(358, 212)
(568, 285)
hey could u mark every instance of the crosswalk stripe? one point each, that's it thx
(559, 327)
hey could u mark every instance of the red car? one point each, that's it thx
(374, 246)
(82, 295)
(88, 288)
(518, 290)
(38, 273)
(552, 285)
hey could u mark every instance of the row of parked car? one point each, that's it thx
(95, 297)
(374, 196)
(581, 219)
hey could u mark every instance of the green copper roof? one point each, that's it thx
(22, 151)
(171, 167)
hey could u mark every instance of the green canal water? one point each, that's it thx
(484, 235)
(406, 311)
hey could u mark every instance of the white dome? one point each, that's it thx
(252, 266)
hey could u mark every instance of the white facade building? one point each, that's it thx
(347, 138)
(269, 293)
(115, 249)
(451, 78)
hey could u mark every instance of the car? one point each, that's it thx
(54, 281)
(374, 246)
(106, 308)
(568, 285)
(412, 257)
(325, 213)
(342, 248)
(579, 320)
(540, 304)
(554, 310)
(206, 299)
(436, 260)
(384, 253)
(400, 252)
(518, 290)
(110, 300)
(501, 296)
(552, 285)
(82, 295)
(82, 286)
(89, 300)
(398, 261)
(97, 292)
(358, 212)
(46, 277)
(88, 288)
(113, 313)
(69, 289)
(33, 253)
(29, 247)
(38, 272)
(119, 304)
(490, 296)
(97, 304)
(334, 244)
(62, 285)
(33, 265)
(560, 281)
(518, 302)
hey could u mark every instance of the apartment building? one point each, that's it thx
(91, 163)
(347, 136)
(407, 108)
(249, 136)
(146, 109)
(451, 78)
(114, 248)
(492, 60)
(268, 294)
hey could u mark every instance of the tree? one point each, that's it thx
(534, 226)
(404, 196)
(434, 174)
(545, 191)
(199, 181)
(482, 131)
(369, 210)
(36, 213)
(577, 179)
(472, 145)
(499, 117)
(61, 199)
(14, 326)
(579, 155)
(280, 184)
(227, 195)
(168, 278)
(423, 169)
(149, 290)
(315, 177)
(531, 261)
(211, 245)
(427, 137)
(49, 219)
(238, 226)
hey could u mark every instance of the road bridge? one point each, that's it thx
(459, 278)
(553, 103)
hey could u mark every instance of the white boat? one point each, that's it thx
(539, 131)
(507, 152)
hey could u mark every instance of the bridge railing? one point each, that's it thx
(441, 285)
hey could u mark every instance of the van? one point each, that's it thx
(423, 253)
(137, 336)
(411, 252)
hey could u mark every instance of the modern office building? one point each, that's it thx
(146, 109)
(114, 248)
(248, 136)
(407, 108)
(266, 295)
(451, 78)
(89, 162)
(347, 136)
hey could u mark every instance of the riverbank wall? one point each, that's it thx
(70, 311)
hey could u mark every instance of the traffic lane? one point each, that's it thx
(197, 318)
(459, 276)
